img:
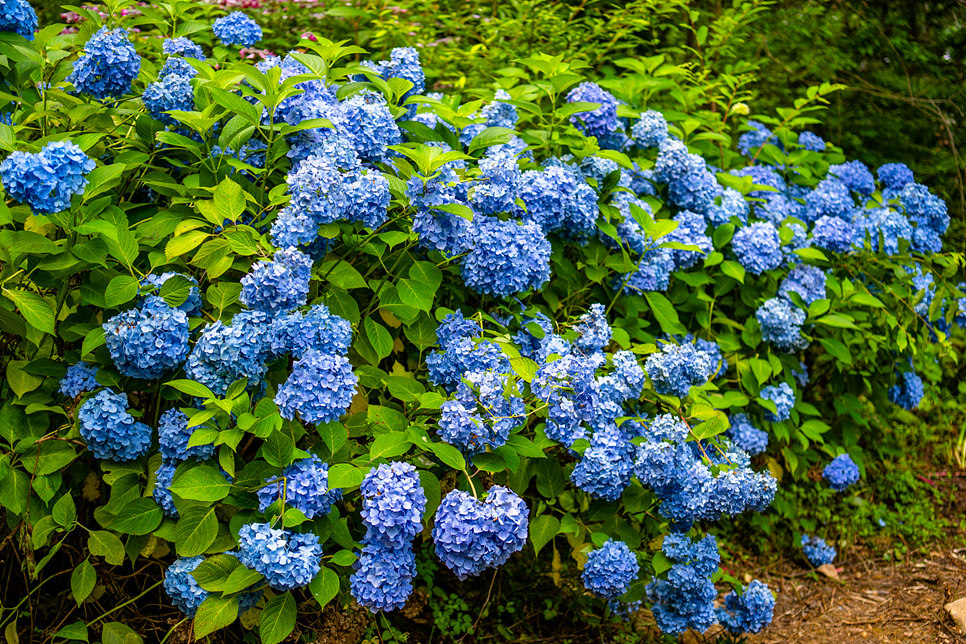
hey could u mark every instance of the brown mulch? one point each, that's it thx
(870, 602)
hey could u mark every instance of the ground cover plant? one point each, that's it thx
(294, 330)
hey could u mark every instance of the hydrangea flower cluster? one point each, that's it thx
(472, 536)
(750, 142)
(691, 231)
(403, 63)
(650, 130)
(841, 473)
(285, 558)
(908, 392)
(686, 598)
(172, 91)
(320, 388)
(606, 467)
(80, 378)
(45, 181)
(318, 328)
(181, 586)
(110, 431)
(226, 353)
(280, 285)
(482, 413)
(807, 281)
(784, 399)
(781, 324)
(19, 17)
(690, 185)
(237, 29)
(601, 121)
(817, 551)
(833, 233)
(509, 257)
(749, 612)
(304, 485)
(811, 141)
(173, 437)
(108, 68)
(570, 389)
(182, 46)
(610, 570)
(559, 201)
(392, 510)
(746, 436)
(460, 353)
(149, 341)
(595, 332)
(758, 247)
(678, 367)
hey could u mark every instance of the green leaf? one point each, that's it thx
(278, 449)
(660, 562)
(191, 388)
(122, 289)
(524, 367)
(550, 478)
(389, 445)
(838, 321)
(837, 349)
(175, 290)
(118, 633)
(379, 338)
(82, 581)
(140, 516)
(334, 434)
(426, 273)
(325, 586)
(202, 483)
(866, 299)
(489, 462)
(542, 530)
(448, 454)
(415, 294)
(278, 619)
(212, 574)
(76, 632)
(35, 309)
(240, 579)
(344, 475)
(106, 544)
(664, 311)
(196, 531)
(214, 613)
(20, 380)
(229, 200)
(64, 511)
(734, 270)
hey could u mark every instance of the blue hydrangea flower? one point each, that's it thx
(746, 436)
(149, 341)
(895, 176)
(594, 332)
(192, 305)
(19, 17)
(471, 536)
(817, 551)
(841, 472)
(801, 374)
(691, 230)
(600, 121)
(462, 356)
(177, 66)
(690, 185)
(226, 353)
(781, 324)
(306, 488)
(610, 570)
(928, 212)
(676, 368)
(383, 579)
(286, 559)
(888, 223)
(393, 505)
(650, 130)
(110, 431)
(162, 488)
(173, 437)
(365, 119)
(499, 113)
(558, 201)
(784, 399)
(169, 92)
(237, 29)
(856, 177)
(685, 600)
(509, 257)
(811, 141)
(749, 612)
(908, 392)
(108, 67)
(758, 247)
(807, 281)
(571, 391)
(830, 198)
(317, 328)
(730, 204)
(280, 285)
(45, 181)
(625, 382)
(833, 233)
(182, 46)
(482, 413)
(750, 142)
(320, 388)
(653, 272)
(403, 63)
(80, 378)
(606, 467)
(181, 586)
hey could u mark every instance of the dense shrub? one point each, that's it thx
(361, 316)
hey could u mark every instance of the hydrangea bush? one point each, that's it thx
(294, 320)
